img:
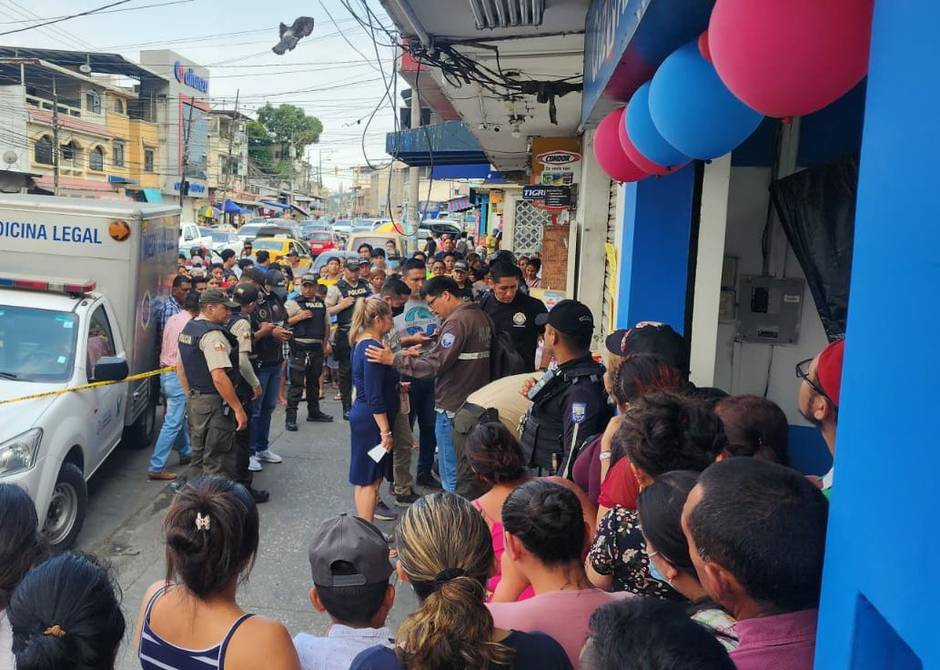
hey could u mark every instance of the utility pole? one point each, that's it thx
(189, 126)
(231, 141)
(413, 172)
(320, 168)
(55, 139)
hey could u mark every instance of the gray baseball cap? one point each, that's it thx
(216, 296)
(355, 541)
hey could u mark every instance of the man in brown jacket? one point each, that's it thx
(459, 362)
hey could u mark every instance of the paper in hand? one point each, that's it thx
(377, 453)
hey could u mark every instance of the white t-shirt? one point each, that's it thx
(416, 318)
(6, 641)
(341, 645)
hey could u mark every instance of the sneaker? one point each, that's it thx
(319, 417)
(384, 512)
(405, 499)
(269, 456)
(161, 476)
(290, 425)
(254, 464)
(428, 481)
(259, 496)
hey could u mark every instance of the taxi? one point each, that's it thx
(278, 247)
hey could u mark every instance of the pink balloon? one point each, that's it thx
(610, 154)
(703, 46)
(790, 58)
(639, 159)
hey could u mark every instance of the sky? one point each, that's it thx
(333, 74)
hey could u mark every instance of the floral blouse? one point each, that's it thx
(620, 550)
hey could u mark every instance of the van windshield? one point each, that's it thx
(36, 345)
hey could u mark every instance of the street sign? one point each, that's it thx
(548, 196)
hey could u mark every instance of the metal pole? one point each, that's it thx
(413, 173)
(189, 125)
(55, 139)
(231, 141)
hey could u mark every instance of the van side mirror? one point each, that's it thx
(110, 369)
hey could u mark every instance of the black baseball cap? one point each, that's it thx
(355, 541)
(245, 293)
(654, 338)
(276, 279)
(461, 266)
(353, 263)
(568, 316)
(216, 296)
(308, 279)
(255, 275)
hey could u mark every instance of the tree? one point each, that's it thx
(289, 124)
(259, 146)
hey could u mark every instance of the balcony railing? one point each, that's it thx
(42, 103)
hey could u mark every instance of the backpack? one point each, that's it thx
(504, 359)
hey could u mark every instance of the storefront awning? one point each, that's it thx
(460, 204)
(448, 143)
(117, 179)
(270, 204)
(152, 194)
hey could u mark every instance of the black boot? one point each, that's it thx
(290, 423)
(319, 416)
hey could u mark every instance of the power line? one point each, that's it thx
(109, 11)
(66, 18)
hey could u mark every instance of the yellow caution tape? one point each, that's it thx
(84, 387)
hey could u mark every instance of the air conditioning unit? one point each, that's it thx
(491, 14)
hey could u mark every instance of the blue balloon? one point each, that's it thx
(644, 135)
(694, 111)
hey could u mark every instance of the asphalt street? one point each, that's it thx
(126, 510)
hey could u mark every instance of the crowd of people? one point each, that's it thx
(584, 513)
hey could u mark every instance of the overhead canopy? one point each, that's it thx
(229, 207)
(152, 195)
(270, 204)
(448, 143)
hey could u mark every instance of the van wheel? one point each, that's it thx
(66, 513)
(141, 433)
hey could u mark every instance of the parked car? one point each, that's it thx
(222, 240)
(342, 226)
(191, 235)
(320, 242)
(440, 227)
(249, 231)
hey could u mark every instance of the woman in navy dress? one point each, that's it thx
(373, 412)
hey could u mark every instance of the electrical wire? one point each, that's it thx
(67, 18)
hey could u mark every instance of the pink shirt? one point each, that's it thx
(563, 615)
(777, 642)
(171, 337)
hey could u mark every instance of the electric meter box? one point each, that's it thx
(770, 309)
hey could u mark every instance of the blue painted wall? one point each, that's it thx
(654, 250)
(880, 585)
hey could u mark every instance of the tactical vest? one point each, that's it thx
(242, 388)
(360, 290)
(543, 436)
(269, 349)
(194, 362)
(313, 328)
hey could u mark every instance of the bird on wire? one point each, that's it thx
(290, 35)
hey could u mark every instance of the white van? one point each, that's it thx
(81, 285)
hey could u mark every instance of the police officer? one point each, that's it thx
(208, 372)
(249, 389)
(310, 344)
(513, 311)
(461, 275)
(569, 403)
(267, 323)
(340, 301)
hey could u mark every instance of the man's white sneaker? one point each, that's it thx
(254, 464)
(269, 456)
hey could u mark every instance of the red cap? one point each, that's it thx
(829, 369)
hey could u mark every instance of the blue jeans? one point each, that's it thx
(269, 377)
(422, 410)
(173, 433)
(446, 454)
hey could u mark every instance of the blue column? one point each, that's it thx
(654, 250)
(880, 581)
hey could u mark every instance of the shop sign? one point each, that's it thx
(609, 28)
(186, 75)
(556, 161)
(548, 196)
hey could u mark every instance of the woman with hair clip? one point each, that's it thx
(660, 432)
(191, 619)
(445, 554)
(66, 615)
(660, 509)
(373, 412)
(21, 547)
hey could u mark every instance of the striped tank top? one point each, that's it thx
(157, 654)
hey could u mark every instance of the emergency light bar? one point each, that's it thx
(68, 286)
